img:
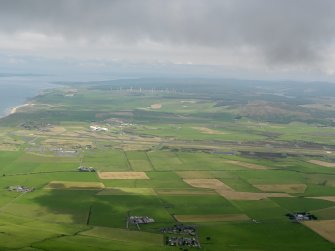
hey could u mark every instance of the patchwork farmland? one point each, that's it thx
(178, 157)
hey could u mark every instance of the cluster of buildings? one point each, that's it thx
(140, 220)
(61, 151)
(71, 92)
(181, 235)
(32, 125)
(182, 241)
(86, 169)
(96, 128)
(301, 216)
(179, 229)
(118, 122)
(20, 189)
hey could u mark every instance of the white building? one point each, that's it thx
(99, 129)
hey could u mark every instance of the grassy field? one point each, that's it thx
(208, 157)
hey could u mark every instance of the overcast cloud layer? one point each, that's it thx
(280, 35)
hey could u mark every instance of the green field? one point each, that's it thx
(199, 132)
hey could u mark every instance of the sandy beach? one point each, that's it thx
(15, 109)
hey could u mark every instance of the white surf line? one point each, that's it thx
(14, 109)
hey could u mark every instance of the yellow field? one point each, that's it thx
(75, 185)
(127, 191)
(329, 198)
(285, 188)
(247, 165)
(325, 228)
(123, 175)
(208, 183)
(156, 106)
(136, 146)
(212, 218)
(75, 141)
(8, 147)
(322, 163)
(229, 193)
(56, 129)
(207, 130)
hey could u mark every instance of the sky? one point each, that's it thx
(276, 39)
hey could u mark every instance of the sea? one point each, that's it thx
(17, 90)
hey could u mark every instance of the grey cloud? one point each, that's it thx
(282, 31)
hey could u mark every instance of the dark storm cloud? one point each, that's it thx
(283, 31)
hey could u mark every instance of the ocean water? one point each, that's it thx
(16, 91)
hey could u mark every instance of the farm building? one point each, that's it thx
(301, 216)
(86, 169)
(179, 229)
(182, 241)
(98, 129)
(140, 220)
(20, 189)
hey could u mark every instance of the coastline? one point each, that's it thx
(16, 108)
(18, 93)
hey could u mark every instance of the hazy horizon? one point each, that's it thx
(257, 39)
